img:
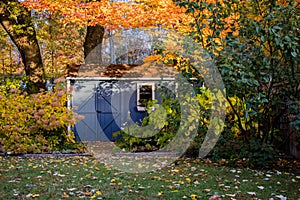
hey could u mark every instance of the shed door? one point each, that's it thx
(108, 107)
(83, 98)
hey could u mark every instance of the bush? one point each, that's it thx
(167, 127)
(147, 140)
(253, 153)
(35, 123)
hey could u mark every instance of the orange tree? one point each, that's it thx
(93, 17)
(16, 19)
(113, 14)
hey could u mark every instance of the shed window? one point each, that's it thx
(145, 93)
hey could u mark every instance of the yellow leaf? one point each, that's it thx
(35, 195)
(99, 192)
(96, 168)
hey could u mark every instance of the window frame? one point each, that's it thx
(139, 85)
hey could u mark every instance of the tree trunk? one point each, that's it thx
(17, 22)
(93, 44)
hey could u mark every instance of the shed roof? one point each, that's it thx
(126, 70)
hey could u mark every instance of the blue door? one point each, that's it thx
(108, 107)
(83, 103)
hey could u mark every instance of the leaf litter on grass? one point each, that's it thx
(86, 177)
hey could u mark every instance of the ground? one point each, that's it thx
(87, 177)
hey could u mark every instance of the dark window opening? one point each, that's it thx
(145, 93)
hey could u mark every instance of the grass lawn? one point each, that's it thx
(86, 177)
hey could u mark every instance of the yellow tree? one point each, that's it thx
(60, 44)
(10, 62)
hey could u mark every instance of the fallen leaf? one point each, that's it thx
(231, 195)
(251, 193)
(88, 193)
(196, 183)
(260, 187)
(34, 195)
(278, 173)
(71, 189)
(28, 195)
(65, 195)
(215, 197)
(281, 197)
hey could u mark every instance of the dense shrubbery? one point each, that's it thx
(231, 144)
(166, 128)
(253, 153)
(165, 121)
(258, 59)
(35, 123)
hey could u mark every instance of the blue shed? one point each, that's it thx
(109, 103)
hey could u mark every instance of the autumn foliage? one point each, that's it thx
(34, 123)
(114, 15)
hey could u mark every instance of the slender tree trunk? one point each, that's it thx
(17, 22)
(112, 49)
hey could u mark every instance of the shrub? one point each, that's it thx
(147, 140)
(35, 123)
(166, 122)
